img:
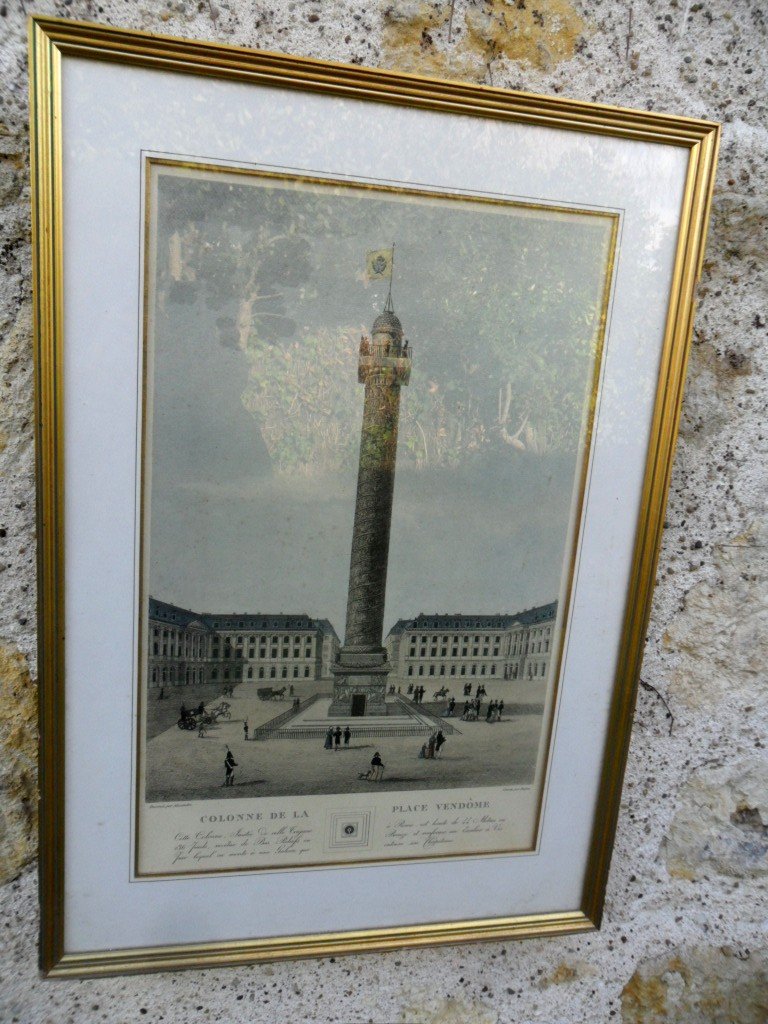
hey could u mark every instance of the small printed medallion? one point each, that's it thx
(348, 829)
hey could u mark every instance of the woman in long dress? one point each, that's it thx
(329, 739)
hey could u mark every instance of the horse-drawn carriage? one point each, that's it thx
(269, 693)
(204, 716)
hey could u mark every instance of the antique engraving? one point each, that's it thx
(366, 429)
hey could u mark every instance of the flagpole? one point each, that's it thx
(389, 305)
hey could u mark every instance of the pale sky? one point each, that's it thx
(234, 529)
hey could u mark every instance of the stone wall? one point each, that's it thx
(684, 937)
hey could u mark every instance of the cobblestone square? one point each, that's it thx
(182, 765)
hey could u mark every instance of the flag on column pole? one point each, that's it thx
(378, 264)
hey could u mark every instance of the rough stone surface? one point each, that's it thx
(18, 777)
(721, 823)
(721, 985)
(683, 937)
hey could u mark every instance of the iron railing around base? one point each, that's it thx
(318, 732)
(262, 732)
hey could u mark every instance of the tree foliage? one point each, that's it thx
(502, 309)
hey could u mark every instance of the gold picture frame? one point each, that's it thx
(51, 42)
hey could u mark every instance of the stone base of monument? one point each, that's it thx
(359, 685)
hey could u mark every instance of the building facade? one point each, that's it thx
(187, 647)
(472, 648)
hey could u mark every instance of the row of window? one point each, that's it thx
(532, 670)
(264, 673)
(539, 647)
(163, 651)
(427, 638)
(239, 639)
(454, 652)
(174, 651)
(240, 624)
(168, 675)
(442, 670)
(535, 647)
(487, 638)
(159, 676)
(273, 654)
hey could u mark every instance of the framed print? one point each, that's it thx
(357, 398)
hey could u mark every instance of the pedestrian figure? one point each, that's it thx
(337, 737)
(451, 706)
(409, 691)
(245, 729)
(489, 712)
(347, 736)
(290, 690)
(439, 741)
(423, 751)
(201, 729)
(377, 767)
(500, 708)
(329, 739)
(465, 711)
(229, 769)
(201, 707)
(183, 712)
(431, 746)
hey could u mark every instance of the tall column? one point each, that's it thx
(360, 673)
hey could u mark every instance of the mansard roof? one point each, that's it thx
(542, 613)
(261, 622)
(459, 622)
(162, 611)
(325, 627)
